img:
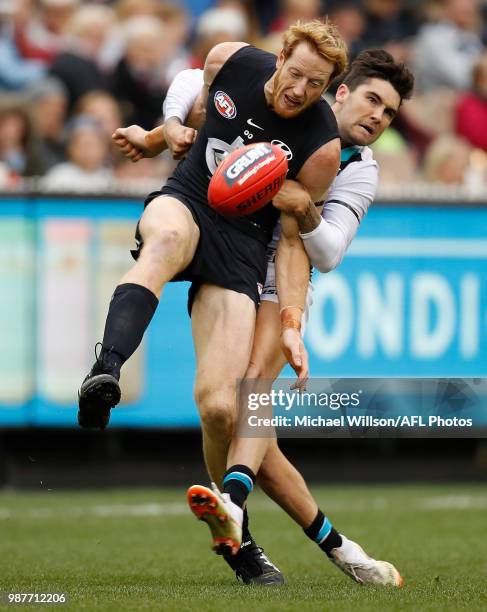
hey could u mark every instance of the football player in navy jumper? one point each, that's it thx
(366, 102)
(182, 238)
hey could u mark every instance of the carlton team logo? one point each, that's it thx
(225, 105)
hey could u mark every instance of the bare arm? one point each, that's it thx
(215, 59)
(297, 198)
(292, 278)
(292, 263)
(137, 143)
(320, 170)
(312, 184)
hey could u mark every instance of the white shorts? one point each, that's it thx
(269, 293)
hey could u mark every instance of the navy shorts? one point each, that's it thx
(225, 256)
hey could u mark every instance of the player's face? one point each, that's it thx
(364, 113)
(299, 81)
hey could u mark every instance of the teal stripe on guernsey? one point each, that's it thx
(347, 153)
(324, 531)
(240, 476)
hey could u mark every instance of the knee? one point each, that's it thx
(217, 412)
(163, 242)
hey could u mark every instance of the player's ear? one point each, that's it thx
(342, 93)
(280, 60)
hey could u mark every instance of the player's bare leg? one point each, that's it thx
(170, 237)
(223, 329)
(223, 325)
(284, 484)
(246, 453)
(243, 449)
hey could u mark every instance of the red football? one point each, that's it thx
(247, 179)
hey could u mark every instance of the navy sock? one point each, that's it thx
(323, 533)
(238, 481)
(246, 536)
(129, 314)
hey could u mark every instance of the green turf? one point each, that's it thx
(142, 550)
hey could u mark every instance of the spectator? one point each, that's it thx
(172, 15)
(447, 161)
(216, 26)
(177, 22)
(77, 66)
(445, 52)
(141, 77)
(292, 10)
(248, 11)
(126, 9)
(397, 162)
(7, 181)
(87, 150)
(15, 71)
(147, 174)
(471, 110)
(349, 17)
(389, 24)
(19, 147)
(48, 100)
(426, 116)
(41, 35)
(266, 13)
(103, 108)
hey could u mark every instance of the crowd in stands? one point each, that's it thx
(71, 72)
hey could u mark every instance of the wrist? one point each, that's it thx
(291, 317)
(173, 120)
(311, 228)
(304, 208)
(155, 140)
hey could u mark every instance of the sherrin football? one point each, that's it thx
(247, 179)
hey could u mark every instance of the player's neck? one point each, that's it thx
(269, 91)
(345, 144)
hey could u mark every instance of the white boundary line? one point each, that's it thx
(426, 504)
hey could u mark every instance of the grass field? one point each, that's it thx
(143, 550)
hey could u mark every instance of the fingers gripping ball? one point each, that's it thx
(247, 179)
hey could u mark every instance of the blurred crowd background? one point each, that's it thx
(71, 72)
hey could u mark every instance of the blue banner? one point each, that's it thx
(408, 301)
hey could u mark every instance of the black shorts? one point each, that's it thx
(225, 256)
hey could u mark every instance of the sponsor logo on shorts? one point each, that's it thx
(225, 105)
(260, 286)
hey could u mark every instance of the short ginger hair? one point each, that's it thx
(323, 37)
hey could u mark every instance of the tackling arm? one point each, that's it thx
(292, 264)
(328, 235)
(292, 279)
(185, 103)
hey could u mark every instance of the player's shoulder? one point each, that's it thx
(249, 56)
(357, 166)
(355, 160)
